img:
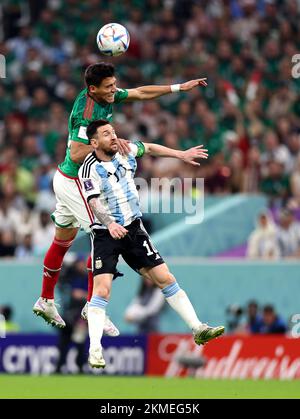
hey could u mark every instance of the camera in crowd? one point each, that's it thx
(234, 314)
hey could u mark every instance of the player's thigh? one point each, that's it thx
(105, 252)
(139, 251)
(72, 210)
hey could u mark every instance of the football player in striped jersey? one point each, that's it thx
(107, 180)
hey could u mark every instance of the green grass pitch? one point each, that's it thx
(98, 387)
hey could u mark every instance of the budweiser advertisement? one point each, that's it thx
(227, 357)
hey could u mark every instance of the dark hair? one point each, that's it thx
(95, 73)
(252, 303)
(93, 126)
(268, 308)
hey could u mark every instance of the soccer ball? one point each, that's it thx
(113, 39)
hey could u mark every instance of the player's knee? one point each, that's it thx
(170, 278)
(166, 279)
(105, 293)
(65, 233)
(102, 291)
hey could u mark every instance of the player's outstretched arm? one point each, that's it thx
(152, 92)
(79, 151)
(116, 230)
(188, 156)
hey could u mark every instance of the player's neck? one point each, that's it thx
(95, 99)
(102, 156)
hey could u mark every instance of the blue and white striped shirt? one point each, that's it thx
(113, 182)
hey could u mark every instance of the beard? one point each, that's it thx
(110, 153)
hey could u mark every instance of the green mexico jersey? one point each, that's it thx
(84, 111)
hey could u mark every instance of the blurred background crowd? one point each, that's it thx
(248, 117)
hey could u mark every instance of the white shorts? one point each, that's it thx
(72, 209)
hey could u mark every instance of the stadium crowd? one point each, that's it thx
(248, 117)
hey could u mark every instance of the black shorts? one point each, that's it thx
(136, 248)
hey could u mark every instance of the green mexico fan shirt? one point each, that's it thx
(84, 111)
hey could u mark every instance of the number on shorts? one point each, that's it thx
(150, 248)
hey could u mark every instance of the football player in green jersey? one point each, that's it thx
(72, 212)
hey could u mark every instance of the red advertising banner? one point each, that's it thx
(227, 357)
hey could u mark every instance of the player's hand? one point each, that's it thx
(117, 231)
(189, 85)
(123, 146)
(193, 153)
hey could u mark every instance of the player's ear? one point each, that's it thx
(92, 88)
(93, 142)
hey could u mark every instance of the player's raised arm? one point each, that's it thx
(152, 92)
(79, 151)
(188, 156)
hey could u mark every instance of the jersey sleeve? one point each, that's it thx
(90, 180)
(120, 95)
(80, 118)
(137, 149)
(78, 130)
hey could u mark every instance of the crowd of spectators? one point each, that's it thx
(272, 240)
(255, 319)
(248, 116)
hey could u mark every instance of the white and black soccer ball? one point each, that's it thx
(113, 39)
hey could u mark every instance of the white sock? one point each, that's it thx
(96, 319)
(180, 302)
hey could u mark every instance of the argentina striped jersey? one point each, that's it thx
(113, 182)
